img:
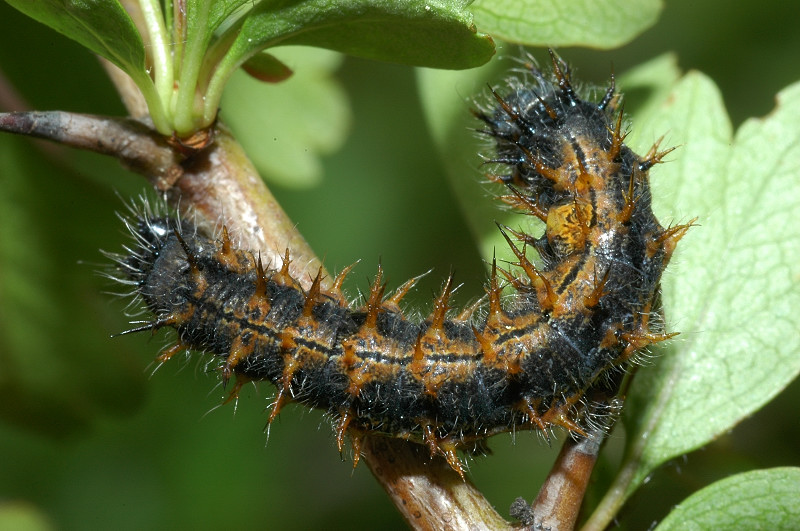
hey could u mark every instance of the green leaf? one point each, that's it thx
(576, 23)
(761, 499)
(102, 26)
(438, 34)
(285, 127)
(732, 289)
(218, 10)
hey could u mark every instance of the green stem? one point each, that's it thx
(197, 37)
(176, 21)
(224, 64)
(160, 49)
(155, 105)
(615, 497)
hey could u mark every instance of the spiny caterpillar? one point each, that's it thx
(445, 382)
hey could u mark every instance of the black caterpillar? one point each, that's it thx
(446, 381)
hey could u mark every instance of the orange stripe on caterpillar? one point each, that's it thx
(446, 382)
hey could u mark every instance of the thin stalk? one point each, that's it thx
(612, 502)
(169, 21)
(197, 37)
(155, 104)
(160, 49)
(177, 21)
(223, 65)
(153, 101)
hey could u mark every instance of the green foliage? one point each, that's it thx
(731, 290)
(556, 23)
(193, 47)
(734, 289)
(761, 499)
(103, 27)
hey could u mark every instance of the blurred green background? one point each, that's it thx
(90, 438)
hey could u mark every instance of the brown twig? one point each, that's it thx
(129, 141)
(219, 184)
(558, 504)
(426, 491)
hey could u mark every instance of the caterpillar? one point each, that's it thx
(526, 362)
